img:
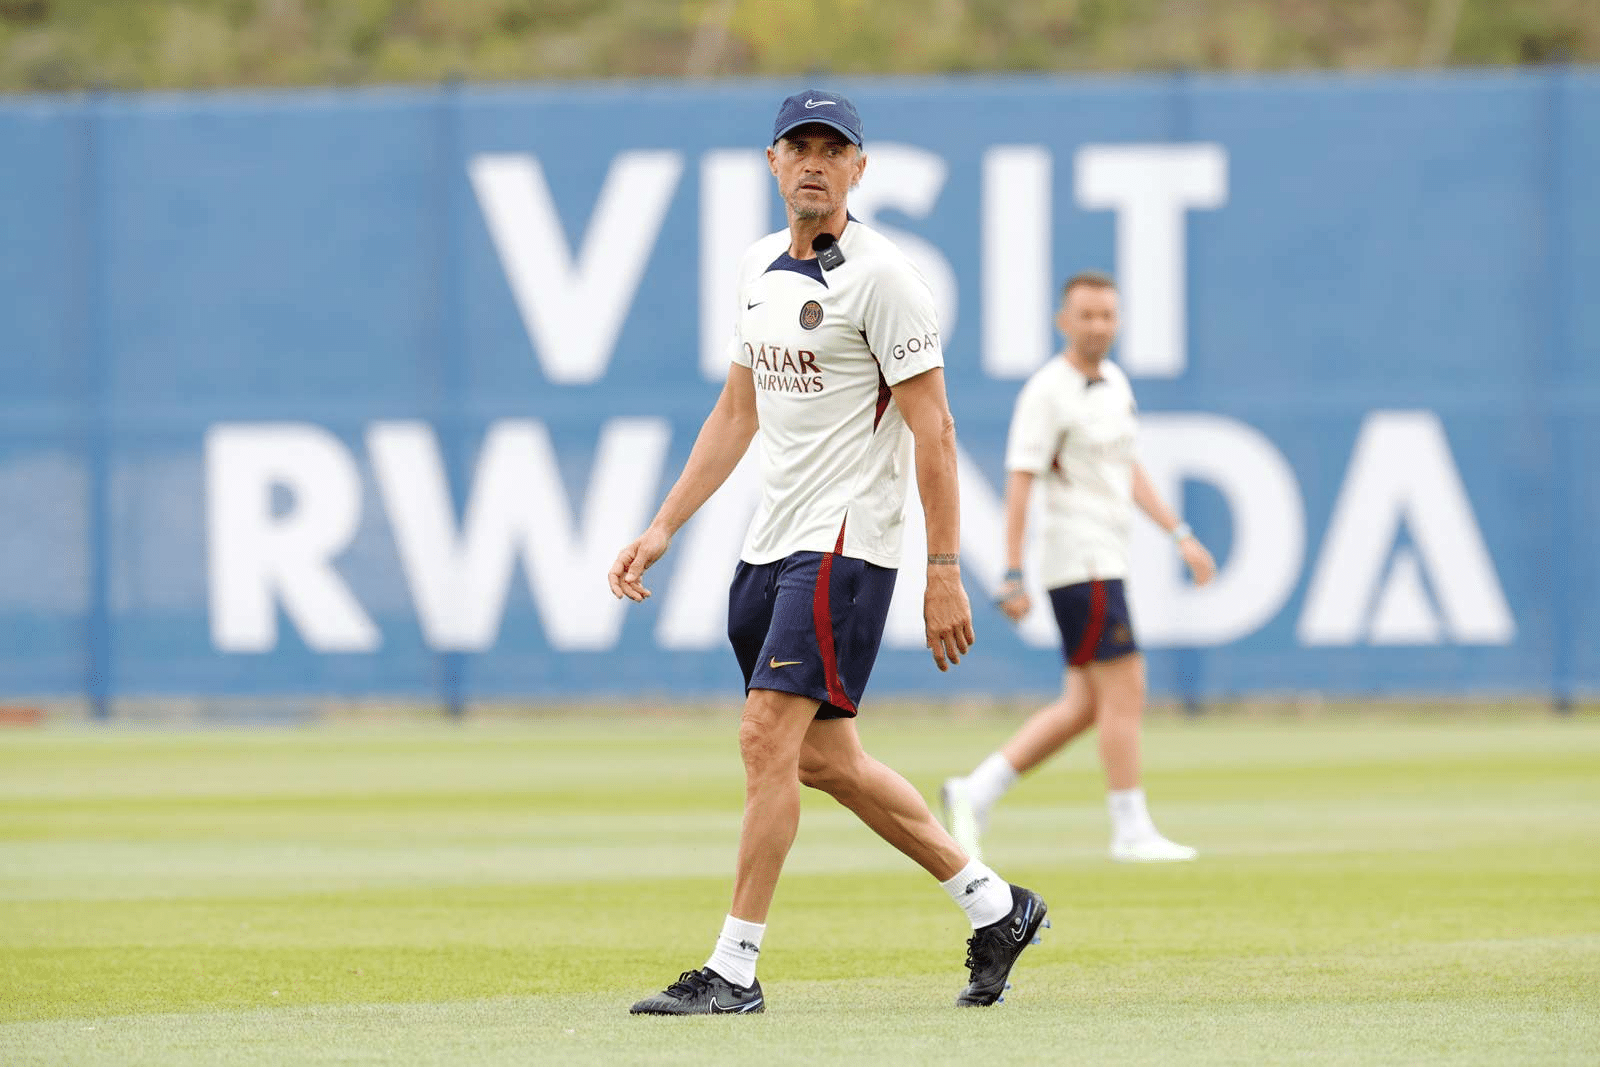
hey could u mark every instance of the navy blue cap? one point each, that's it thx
(814, 105)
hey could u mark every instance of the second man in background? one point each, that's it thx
(1073, 430)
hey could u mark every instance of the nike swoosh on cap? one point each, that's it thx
(818, 103)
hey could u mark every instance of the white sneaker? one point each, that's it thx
(1150, 849)
(960, 816)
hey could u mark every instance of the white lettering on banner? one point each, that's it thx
(1017, 271)
(1151, 187)
(573, 311)
(518, 508)
(1268, 521)
(907, 179)
(1402, 471)
(1404, 613)
(258, 561)
(694, 609)
(735, 212)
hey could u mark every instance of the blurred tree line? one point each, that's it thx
(55, 45)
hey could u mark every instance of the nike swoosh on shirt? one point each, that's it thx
(773, 662)
(757, 304)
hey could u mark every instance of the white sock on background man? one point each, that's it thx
(1130, 817)
(990, 781)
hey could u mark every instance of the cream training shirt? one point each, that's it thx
(824, 347)
(1076, 436)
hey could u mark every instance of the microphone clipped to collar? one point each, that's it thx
(829, 255)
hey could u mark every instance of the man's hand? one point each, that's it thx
(1201, 565)
(1013, 600)
(947, 616)
(634, 559)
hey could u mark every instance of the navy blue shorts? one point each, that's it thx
(810, 624)
(1094, 622)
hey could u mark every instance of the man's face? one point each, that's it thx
(1088, 316)
(816, 167)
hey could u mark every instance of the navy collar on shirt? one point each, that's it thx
(811, 268)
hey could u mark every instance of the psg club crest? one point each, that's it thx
(811, 315)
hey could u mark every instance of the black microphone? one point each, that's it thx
(826, 246)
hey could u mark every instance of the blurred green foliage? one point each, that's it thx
(49, 45)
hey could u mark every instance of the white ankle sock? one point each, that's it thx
(989, 782)
(1130, 818)
(982, 894)
(737, 948)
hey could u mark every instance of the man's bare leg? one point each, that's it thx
(1119, 690)
(1119, 686)
(968, 801)
(771, 734)
(1054, 726)
(833, 761)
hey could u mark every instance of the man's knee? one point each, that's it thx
(772, 731)
(757, 745)
(834, 776)
(1120, 685)
(817, 773)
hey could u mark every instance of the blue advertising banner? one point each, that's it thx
(360, 392)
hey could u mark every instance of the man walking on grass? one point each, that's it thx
(836, 362)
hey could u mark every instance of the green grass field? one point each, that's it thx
(1419, 889)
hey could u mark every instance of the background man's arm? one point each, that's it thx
(1012, 599)
(1201, 565)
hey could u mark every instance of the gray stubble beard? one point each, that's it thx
(807, 213)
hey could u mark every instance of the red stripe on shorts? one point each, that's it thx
(822, 619)
(1097, 624)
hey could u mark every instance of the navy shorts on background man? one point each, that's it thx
(1094, 621)
(810, 624)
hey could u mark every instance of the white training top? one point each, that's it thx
(1076, 436)
(824, 347)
